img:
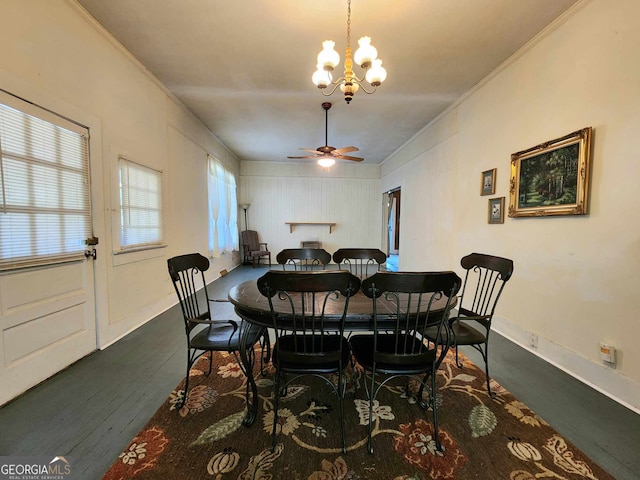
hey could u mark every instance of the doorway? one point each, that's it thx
(391, 226)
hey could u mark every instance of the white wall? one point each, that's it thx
(280, 192)
(61, 59)
(575, 279)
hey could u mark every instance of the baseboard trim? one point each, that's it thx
(605, 380)
(149, 314)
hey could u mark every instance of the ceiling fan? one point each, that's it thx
(326, 155)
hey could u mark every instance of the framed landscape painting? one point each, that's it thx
(552, 178)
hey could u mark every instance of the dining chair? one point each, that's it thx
(398, 347)
(303, 259)
(187, 275)
(308, 311)
(362, 262)
(484, 280)
(253, 248)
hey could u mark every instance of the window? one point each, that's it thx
(140, 205)
(45, 209)
(223, 209)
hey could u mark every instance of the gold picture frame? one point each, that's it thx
(496, 210)
(552, 178)
(488, 182)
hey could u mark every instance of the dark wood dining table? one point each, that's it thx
(253, 307)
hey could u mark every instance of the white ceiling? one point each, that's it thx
(244, 66)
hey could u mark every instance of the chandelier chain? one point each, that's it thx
(349, 23)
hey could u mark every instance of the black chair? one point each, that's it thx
(253, 248)
(484, 281)
(398, 347)
(309, 336)
(187, 274)
(362, 262)
(303, 259)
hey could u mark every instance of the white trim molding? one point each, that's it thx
(604, 379)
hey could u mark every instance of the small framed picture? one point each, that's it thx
(488, 185)
(496, 210)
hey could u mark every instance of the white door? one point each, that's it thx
(48, 322)
(47, 302)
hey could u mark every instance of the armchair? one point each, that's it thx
(253, 248)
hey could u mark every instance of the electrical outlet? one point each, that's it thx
(533, 340)
(608, 354)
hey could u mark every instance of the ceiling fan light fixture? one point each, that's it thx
(326, 155)
(326, 162)
(366, 57)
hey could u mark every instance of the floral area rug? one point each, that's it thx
(483, 437)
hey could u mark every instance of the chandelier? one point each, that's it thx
(365, 56)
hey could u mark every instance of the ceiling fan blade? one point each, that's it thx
(312, 151)
(347, 157)
(342, 150)
(302, 157)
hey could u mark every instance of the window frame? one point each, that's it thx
(41, 158)
(119, 212)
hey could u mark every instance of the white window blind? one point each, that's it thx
(140, 205)
(223, 209)
(45, 210)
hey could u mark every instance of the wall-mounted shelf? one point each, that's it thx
(292, 224)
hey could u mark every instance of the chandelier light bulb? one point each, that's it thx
(321, 78)
(328, 58)
(326, 162)
(366, 54)
(376, 74)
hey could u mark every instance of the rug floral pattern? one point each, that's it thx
(483, 437)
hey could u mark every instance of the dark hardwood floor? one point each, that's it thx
(91, 411)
